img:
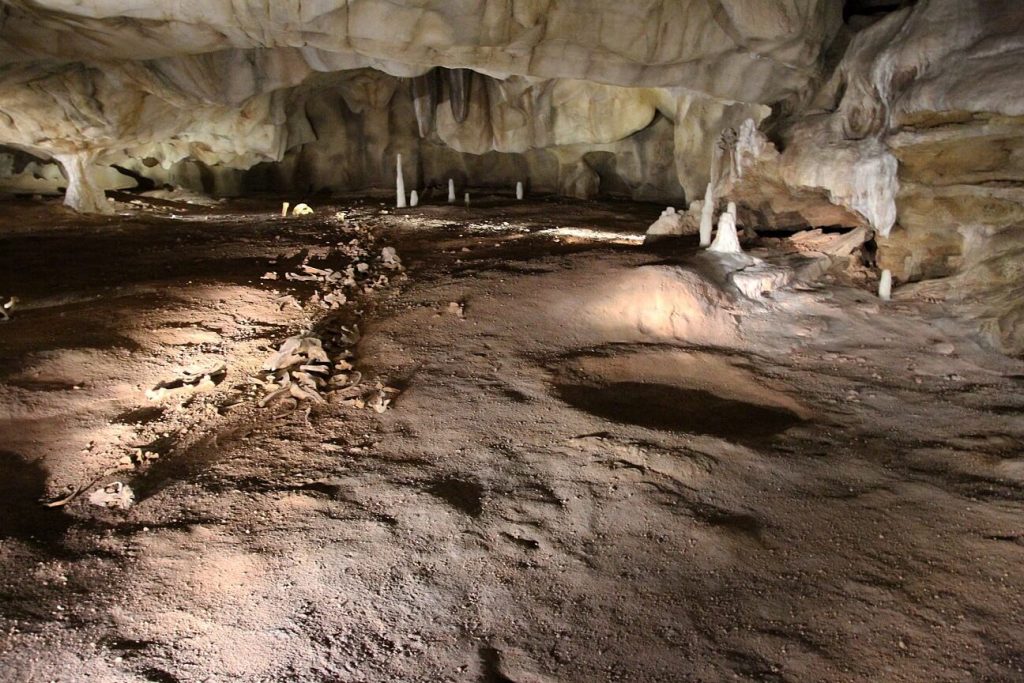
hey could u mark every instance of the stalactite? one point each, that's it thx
(424, 101)
(460, 83)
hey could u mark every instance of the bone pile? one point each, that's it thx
(336, 286)
(302, 370)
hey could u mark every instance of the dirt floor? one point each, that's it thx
(600, 461)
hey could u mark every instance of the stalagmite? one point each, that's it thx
(707, 216)
(284, 208)
(727, 241)
(885, 286)
(83, 194)
(414, 198)
(460, 82)
(451, 191)
(519, 191)
(399, 185)
(467, 199)
(424, 101)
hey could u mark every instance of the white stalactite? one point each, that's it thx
(451, 191)
(519, 191)
(399, 184)
(414, 198)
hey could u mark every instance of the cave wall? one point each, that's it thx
(168, 90)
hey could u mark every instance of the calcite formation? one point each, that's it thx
(905, 120)
(727, 240)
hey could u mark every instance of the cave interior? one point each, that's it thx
(512, 340)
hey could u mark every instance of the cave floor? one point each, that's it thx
(598, 467)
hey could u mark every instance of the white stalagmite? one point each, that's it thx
(707, 215)
(399, 184)
(519, 190)
(83, 193)
(467, 199)
(414, 198)
(451, 191)
(727, 241)
(885, 285)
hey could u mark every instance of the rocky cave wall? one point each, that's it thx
(576, 90)
(900, 116)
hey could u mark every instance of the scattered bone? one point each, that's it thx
(269, 275)
(382, 398)
(284, 208)
(294, 276)
(299, 368)
(295, 351)
(389, 258)
(193, 376)
(302, 210)
(117, 495)
(316, 272)
(457, 309)
(334, 300)
(7, 308)
(349, 337)
(287, 300)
